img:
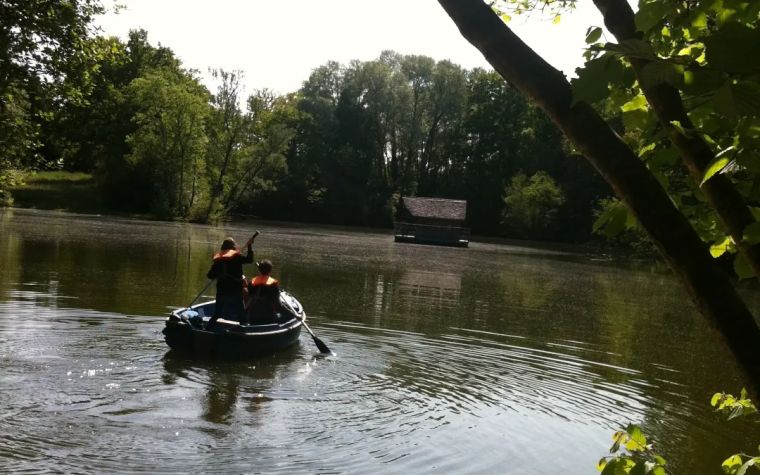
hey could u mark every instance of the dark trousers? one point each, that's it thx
(229, 307)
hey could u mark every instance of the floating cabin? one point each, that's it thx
(432, 221)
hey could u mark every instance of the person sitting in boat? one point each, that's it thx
(264, 295)
(227, 269)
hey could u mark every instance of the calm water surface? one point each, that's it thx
(492, 359)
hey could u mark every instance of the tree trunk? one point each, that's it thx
(621, 168)
(181, 190)
(195, 179)
(218, 189)
(695, 153)
(246, 179)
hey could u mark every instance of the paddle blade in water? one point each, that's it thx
(321, 345)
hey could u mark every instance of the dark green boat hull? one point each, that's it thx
(184, 332)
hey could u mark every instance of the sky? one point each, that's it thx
(277, 43)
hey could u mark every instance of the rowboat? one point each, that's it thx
(184, 331)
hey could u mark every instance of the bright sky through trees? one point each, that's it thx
(277, 43)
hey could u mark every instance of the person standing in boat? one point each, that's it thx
(263, 295)
(227, 269)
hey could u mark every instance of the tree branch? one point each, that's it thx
(695, 153)
(621, 168)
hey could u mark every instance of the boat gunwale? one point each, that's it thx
(284, 327)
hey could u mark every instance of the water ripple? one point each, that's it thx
(389, 399)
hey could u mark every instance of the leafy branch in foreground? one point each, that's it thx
(554, 8)
(733, 406)
(632, 454)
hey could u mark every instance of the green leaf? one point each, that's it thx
(592, 83)
(702, 80)
(737, 411)
(752, 236)
(612, 221)
(677, 125)
(637, 440)
(717, 164)
(632, 48)
(618, 466)
(725, 103)
(636, 114)
(732, 464)
(742, 268)
(593, 34)
(644, 151)
(749, 137)
(699, 21)
(639, 469)
(746, 97)
(506, 18)
(734, 49)
(651, 13)
(743, 469)
(615, 447)
(717, 396)
(661, 72)
(663, 158)
(638, 102)
(611, 468)
(717, 250)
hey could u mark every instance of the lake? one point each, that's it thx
(489, 359)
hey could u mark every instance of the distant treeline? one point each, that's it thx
(341, 149)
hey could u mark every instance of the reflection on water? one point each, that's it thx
(492, 359)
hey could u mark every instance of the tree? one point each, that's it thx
(41, 49)
(620, 166)
(226, 129)
(17, 138)
(405, 124)
(531, 205)
(168, 146)
(91, 133)
(261, 150)
(701, 40)
(496, 140)
(443, 112)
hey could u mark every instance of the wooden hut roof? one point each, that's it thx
(439, 208)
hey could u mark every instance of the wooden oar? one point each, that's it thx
(180, 312)
(250, 241)
(320, 344)
(199, 294)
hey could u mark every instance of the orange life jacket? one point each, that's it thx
(264, 280)
(227, 255)
(258, 284)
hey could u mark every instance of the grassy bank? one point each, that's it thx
(58, 190)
